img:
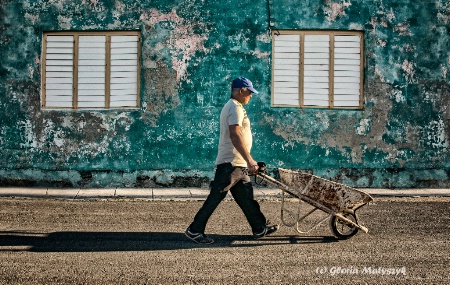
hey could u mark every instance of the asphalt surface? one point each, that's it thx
(141, 241)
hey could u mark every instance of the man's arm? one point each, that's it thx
(238, 143)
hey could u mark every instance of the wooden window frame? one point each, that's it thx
(331, 94)
(76, 35)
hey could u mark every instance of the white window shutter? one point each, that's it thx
(286, 70)
(85, 70)
(347, 71)
(317, 69)
(316, 87)
(91, 71)
(124, 71)
(59, 71)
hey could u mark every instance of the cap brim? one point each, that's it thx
(253, 90)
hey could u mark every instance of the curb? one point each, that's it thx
(186, 193)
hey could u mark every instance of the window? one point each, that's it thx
(322, 69)
(85, 70)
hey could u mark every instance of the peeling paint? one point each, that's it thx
(397, 95)
(403, 29)
(435, 135)
(95, 5)
(408, 67)
(182, 40)
(336, 9)
(363, 127)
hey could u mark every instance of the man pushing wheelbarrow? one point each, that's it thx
(234, 164)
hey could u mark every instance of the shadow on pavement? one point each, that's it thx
(133, 241)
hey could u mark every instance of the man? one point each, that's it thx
(233, 162)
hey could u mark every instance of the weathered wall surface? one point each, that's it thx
(191, 50)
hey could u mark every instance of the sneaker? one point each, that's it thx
(266, 231)
(198, 237)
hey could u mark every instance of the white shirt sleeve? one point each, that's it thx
(236, 116)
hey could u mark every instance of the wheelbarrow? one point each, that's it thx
(338, 201)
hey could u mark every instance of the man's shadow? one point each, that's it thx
(133, 241)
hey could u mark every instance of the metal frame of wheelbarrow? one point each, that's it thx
(317, 205)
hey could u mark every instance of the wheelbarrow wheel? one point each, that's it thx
(342, 230)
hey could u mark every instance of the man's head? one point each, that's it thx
(242, 90)
(242, 82)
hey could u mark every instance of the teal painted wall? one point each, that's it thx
(191, 50)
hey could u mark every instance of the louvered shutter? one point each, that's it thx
(316, 70)
(124, 72)
(91, 71)
(84, 70)
(59, 71)
(325, 72)
(347, 71)
(286, 70)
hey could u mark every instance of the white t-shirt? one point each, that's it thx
(233, 113)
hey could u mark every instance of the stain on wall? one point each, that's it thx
(190, 52)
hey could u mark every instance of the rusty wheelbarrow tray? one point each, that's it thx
(339, 201)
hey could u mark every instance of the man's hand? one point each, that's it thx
(253, 167)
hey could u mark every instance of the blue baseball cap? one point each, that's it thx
(242, 82)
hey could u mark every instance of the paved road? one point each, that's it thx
(132, 241)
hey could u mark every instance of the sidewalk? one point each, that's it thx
(186, 193)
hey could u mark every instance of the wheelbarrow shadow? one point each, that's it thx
(248, 241)
(132, 241)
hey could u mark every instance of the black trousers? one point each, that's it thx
(235, 180)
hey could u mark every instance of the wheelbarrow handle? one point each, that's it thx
(350, 222)
(288, 190)
(274, 181)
